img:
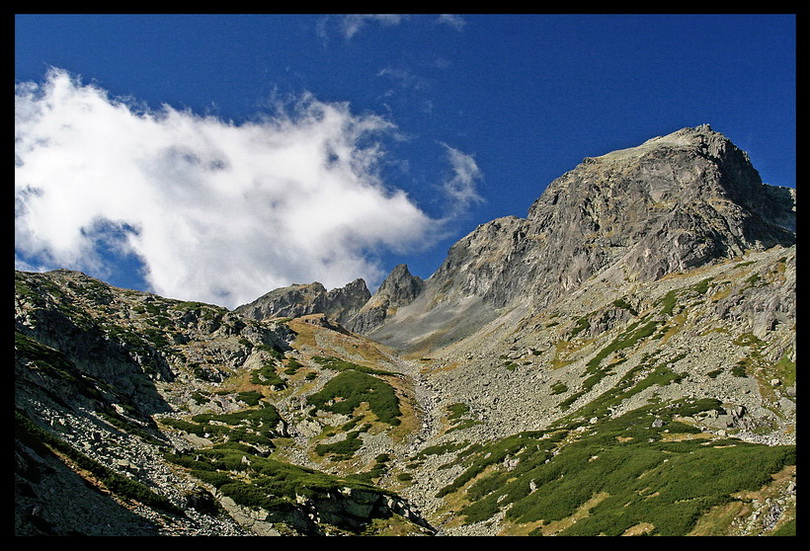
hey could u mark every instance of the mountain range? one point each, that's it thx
(621, 361)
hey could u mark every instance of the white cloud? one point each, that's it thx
(461, 187)
(454, 20)
(351, 24)
(215, 211)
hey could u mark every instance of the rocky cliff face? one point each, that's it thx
(351, 306)
(399, 289)
(298, 300)
(622, 361)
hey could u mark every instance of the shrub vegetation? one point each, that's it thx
(646, 477)
(350, 388)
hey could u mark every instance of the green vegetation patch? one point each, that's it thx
(622, 303)
(668, 302)
(673, 494)
(441, 449)
(264, 482)
(785, 369)
(249, 426)
(337, 364)
(351, 388)
(268, 476)
(456, 416)
(293, 366)
(457, 411)
(342, 449)
(559, 388)
(264, 419)
(478, 458)
(645, 474)
(702, 286)
(581, 325)
(380, 467)
(267, 376)
(250, 397)
(644, 375)
(627, 339)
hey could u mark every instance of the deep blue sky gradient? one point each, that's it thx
(528, 96)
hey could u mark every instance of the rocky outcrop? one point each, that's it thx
(673, 203)
(399, 289)
(343, 303)
(352, 306)
(297, 300)
(346, 508)
(110, 384)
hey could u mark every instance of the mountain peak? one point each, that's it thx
(312, 298)
(399, 289)
(673, 203)
(692, 173)
(401, 286)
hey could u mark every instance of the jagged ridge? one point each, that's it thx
(304, 299)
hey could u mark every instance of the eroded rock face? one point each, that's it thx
(344, 302)
(671, 204)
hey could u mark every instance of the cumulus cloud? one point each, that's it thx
(214, 211)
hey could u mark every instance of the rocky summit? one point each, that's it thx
(313, 298)
(621, 361)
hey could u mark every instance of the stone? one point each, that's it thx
(340, 304)
(677, 235)
(399, 289)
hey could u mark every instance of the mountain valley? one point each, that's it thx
(622, 361)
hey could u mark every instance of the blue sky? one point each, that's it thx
(215, 157)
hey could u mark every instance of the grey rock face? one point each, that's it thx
(670, 204)
(399, 289)
(344, 302)
(292, 301)
(304, 299)
(673, 203)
